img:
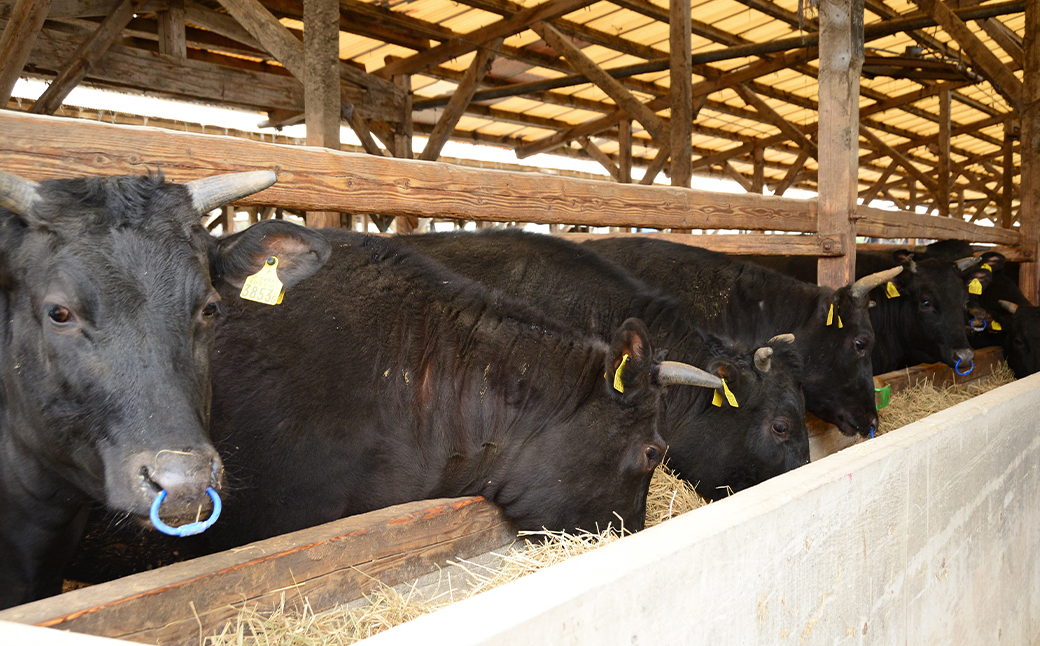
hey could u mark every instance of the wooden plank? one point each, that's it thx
(172, 37)
(85, 57)
(942, 170)
(680, 91)
(17, 41)
(1029, 116)
(740, 244)
(611, 86)
(460, 99)
(841, 58)
(196, 80)
(500, 29)
(326, 565)
(1003, 79)
(878, 223)
(940, 374)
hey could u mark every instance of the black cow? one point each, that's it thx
(1012, 321)
(831, 327)
(386, 378)
(106, 334)
(718, 449)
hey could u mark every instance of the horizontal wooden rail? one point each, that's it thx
(327, 565)
(741, 244)
(878, 223)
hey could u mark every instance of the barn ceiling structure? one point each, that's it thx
(942, 88)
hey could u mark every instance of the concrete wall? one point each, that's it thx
(927, 535)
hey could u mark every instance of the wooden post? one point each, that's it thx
(227, 220)
(758, 181)
(1029, 208)
(681, 92)
(1007, 183)
(625, 151)
(403, 144)
(16, 42)
(172, 40)
(942, 170)
(321, 85)
(911, 202)
(841, 58)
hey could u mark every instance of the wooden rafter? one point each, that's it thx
(868, 196)
(773, 117)
(17, 41)
(792, 173)
(1004, 37)
(900, 158)
(457, 106)
(603, 158)
(655, 167)
(84, 58)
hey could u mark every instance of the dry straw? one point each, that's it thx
(295, 624)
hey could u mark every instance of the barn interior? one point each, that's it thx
(923, 106)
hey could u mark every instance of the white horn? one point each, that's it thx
(674, 373)
(964, 264)
(210, 192)
(863, 286)
(763, 358)
(1009, 306)
(18, 194)
(782, 338)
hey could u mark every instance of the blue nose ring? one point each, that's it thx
(957, 368)
(191, 528)
(980, 323)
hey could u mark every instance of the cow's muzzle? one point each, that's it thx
(185, 475)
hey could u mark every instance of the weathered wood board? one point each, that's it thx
(926, 535)
(326, 565)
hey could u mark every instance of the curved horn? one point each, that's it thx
(763, 358)
(911, 265)
(782, 338)
(18, 194)
(210, 192)
(674, 373)
(1008, 305)
(863, 286)
(964, 264)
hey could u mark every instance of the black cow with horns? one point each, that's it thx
(106, 332)
(745, 301)
(385, 377)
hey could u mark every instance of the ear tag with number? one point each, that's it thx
(975, 287)
(986, 267)
(993, 325)
(891, 291)
(618, 385)
(264, 286)
(730, 397)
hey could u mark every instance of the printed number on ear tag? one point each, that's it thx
(264, 286)
(975, 287)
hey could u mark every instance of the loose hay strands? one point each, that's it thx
(298, 625)
(923, 399)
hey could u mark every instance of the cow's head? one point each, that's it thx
(932, 305)
(594, 469)
(840, 341)
(1022, 338)
(727, 448)
(107, 332)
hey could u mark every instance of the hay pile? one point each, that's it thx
(920, 401)
(295, 624)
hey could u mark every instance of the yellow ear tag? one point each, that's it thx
(618, 386)
(986, 267)
(264, 286)
(993, 325)
(839, 323)
(975, 287)
(891, 291)
(717, 399)
(830, 315)
(729, 395)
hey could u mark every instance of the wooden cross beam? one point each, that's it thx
(84, 58)
(457, 106)
(871, 193)
(1007, 39)
(773, 117)
(792, 173)
(17, 41)
(594, 151)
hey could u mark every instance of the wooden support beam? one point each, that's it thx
(976, 182)
(600, 156)
(17, 41)
(272, 34)
(868, 196)
(219, 23)
(942, 171)
(1003, 79)
(735, 175)
(1029, 115)
(772, 116)
(625, 151)
(500, 29)
(321, 85)
(558, 139)
(792, 173)
(1007, 39)
(1007, 176)
(402, 148)
(629, 103)
(908, 165)
(84, 58)
(655, 167)
(172, 39)
(457, 106)
(360, 128)
(681, 92)
(758, 182)
(841, 59)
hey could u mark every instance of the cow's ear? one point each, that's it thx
(901, 255)
(630, 360)
(994, 259)
(984, 277)
(300, 252)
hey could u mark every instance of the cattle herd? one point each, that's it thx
(548, 376)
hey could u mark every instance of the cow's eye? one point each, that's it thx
(926, 304)
(60, 315)
(780, 430)
(653, 455)
(861, 346)
(209, 311)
